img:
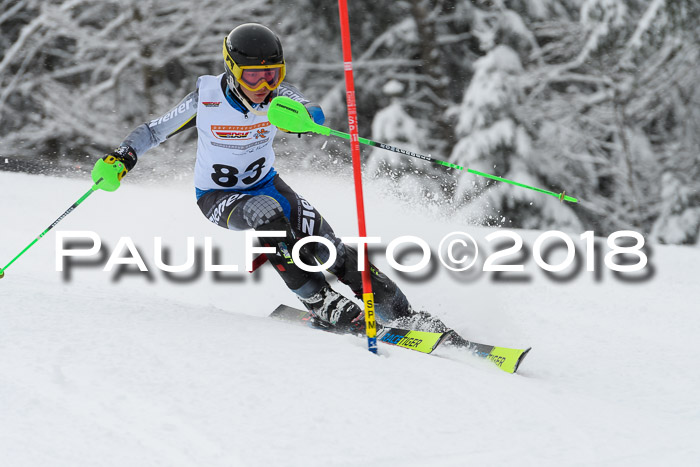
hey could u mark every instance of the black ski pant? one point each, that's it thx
(275, 206)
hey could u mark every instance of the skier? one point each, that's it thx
(237, 186)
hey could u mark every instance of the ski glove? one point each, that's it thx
(109, 171)
(316, 113)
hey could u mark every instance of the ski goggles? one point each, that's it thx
(255, 77)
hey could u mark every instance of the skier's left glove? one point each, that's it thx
(316, 113)
(109, 171)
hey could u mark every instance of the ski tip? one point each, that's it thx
(520, 359)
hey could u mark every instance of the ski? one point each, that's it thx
(506, 359)
(419, 341)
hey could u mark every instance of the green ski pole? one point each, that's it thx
(68, 211)
(292, 116)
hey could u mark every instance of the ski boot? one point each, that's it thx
(389, 301)
(328, 309)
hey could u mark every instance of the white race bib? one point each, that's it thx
(233, 151)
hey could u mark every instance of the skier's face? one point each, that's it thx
(256, 97)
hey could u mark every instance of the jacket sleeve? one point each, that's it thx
(287, 90)
(176, 120)
(292, 92)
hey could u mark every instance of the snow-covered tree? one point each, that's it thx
(595, 97)
(76, 75)
(610, 109)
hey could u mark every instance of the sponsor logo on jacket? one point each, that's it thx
(182, 108)
(241, 132)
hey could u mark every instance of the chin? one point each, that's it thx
(255, 98)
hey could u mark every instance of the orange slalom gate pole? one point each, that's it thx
(367, 295)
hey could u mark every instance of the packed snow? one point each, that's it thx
(141, 369)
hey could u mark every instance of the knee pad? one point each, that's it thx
(260, 211)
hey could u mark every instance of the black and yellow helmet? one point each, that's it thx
(254, 58)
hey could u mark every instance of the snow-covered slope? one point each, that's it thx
(141, 370)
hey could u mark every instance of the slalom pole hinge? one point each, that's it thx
(2, 273)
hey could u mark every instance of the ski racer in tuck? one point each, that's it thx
(238, 188)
